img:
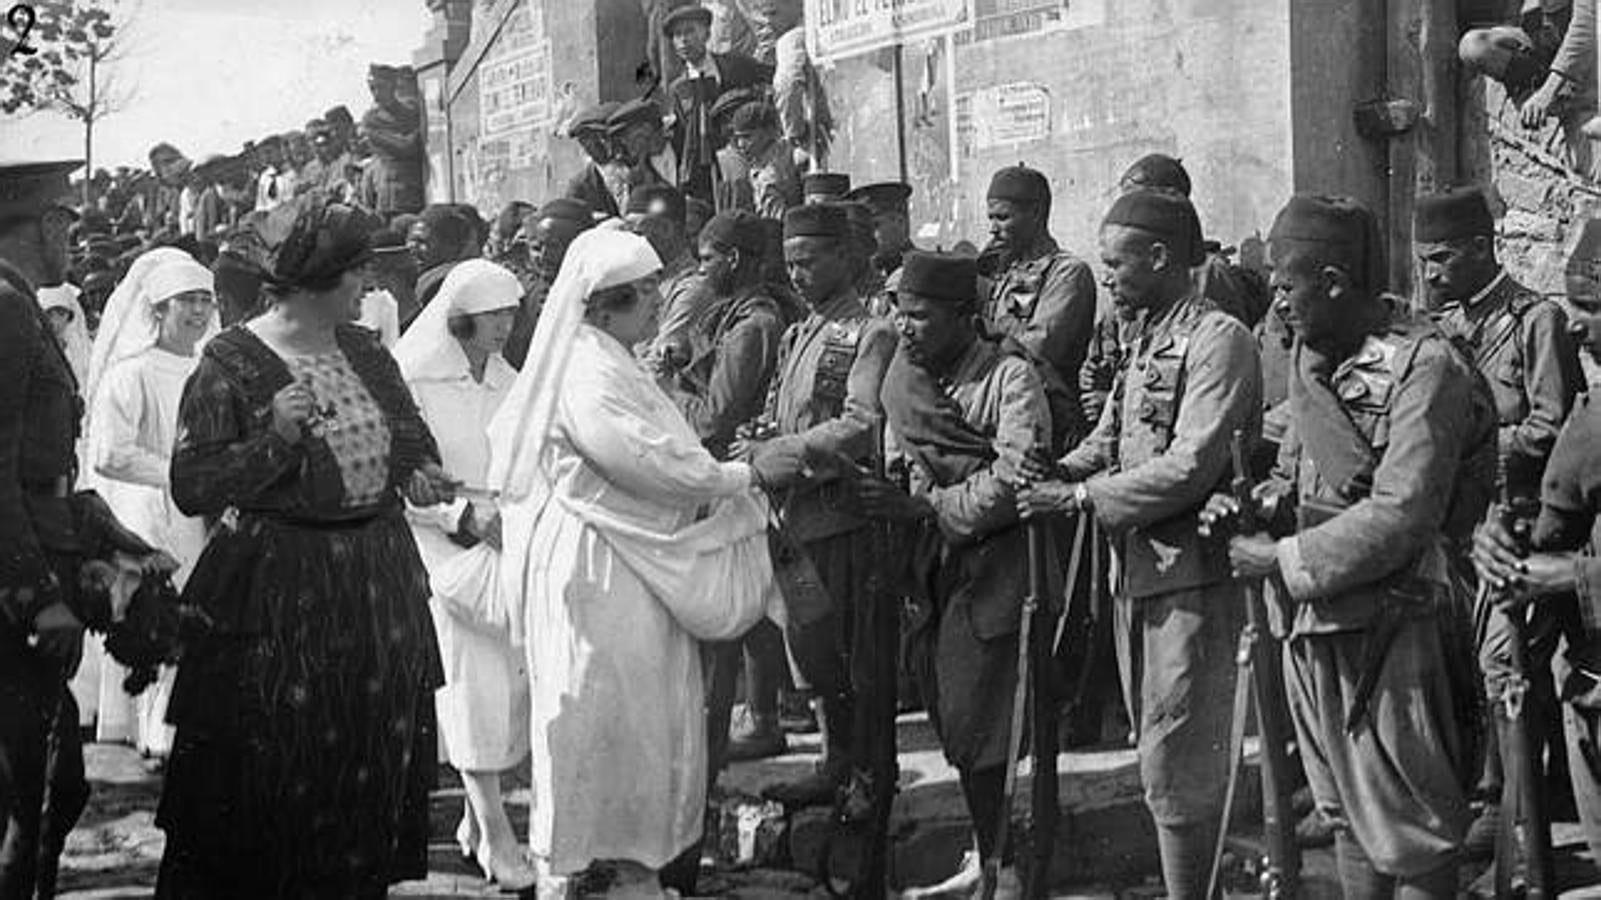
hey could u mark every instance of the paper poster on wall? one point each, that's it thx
(514, 80)
(1002, 116)
(836, 29)
(997, 19)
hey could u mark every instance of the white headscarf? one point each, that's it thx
(75, 341)
(597, 259)
(129, 327)
(428, 351)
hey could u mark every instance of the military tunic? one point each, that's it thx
(1373, 462)
(1047, 303)
(39, 411)
(825, 399)
(974, 554)
(1160, 450)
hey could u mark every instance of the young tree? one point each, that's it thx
(66, 63)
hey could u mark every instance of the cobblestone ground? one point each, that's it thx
(115, 849)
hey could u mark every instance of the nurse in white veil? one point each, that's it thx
(628, 542)
(147, 346)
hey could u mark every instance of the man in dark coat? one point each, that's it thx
(706, 77)
(446, 234)
(41, 633)
(589, 129)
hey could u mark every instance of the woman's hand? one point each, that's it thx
(430, 485)
(291, 409)
(485, 526)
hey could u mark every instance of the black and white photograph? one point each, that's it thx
(825, 449)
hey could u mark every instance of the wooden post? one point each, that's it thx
(1422, 66)
(900, 111)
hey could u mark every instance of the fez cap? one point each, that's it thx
(1452, 215)
(944, 277)
(634, 112)
(860, 217)
(817, 220)
(826, 184)
(685, 11)
(1159, 171)
(882, 197)
(739, 229)
(1341, 224)
(27, 189)
(1165, 214)
(1020, 184)
(567, 208)
(1587, 250)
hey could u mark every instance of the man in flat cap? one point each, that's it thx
(966, 409)
(825, 187)
(548, 232)
(1191, 380)
(1519, 341)
(889, 203)
(825, 400)
(642, 155)
(591, 185)
(1376, 476)
(1041, 295)
(706, 76)
(41, 633)
(1564, 541)
(720, 380)
(767, 182)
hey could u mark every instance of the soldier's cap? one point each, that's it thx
(1342, 224)
(1159, 171)
(942, 277)
(28, 189)
(1587, 249)
(883, 196)
(1452, 215)
(685, 11)
(828, 185)
(1165, 214)
(634, 112)
(740, 229)
(828, 220)
(860, 216)
(567, 209)
(338, 115)
(1019, 184)
(379, 72)
(592, 118)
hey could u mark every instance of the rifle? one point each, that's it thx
(1523, 791)
(1259, 672)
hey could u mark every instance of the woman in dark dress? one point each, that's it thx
(305, 743)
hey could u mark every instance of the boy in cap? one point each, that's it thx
(706, 76)
(825, 400)
(770, 183)
(1374, 478)
(1564, 540)
(1192, 380)
(1042, 295)
(1519, 341)
(966, 409)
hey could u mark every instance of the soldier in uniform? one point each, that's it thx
(966, 410)
(1386, 419)
(1041, 295)
(889, 203)
(722, 388)
(1160, 450)
(825, 402)
(1564, 540)
(41, 632)
(1519, 341)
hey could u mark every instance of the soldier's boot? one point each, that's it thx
(819, 786)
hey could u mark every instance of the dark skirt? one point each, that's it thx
(305, 745)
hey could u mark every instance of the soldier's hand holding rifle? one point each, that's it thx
(1250, 555)
(1517, 579)
(1043, 490)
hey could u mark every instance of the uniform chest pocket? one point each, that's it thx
(1159, 392)
(1367, 400)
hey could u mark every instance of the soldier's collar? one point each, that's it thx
(1486, 291)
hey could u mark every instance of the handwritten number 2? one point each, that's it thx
(21, 18)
